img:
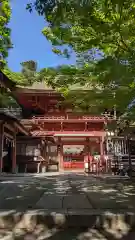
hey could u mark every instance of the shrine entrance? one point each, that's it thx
(76, 151)
(73, 156)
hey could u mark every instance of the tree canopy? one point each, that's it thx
(29, 71)
(26, 77)
(85, 93)
(102, 34)
(5, 40)
(106, 25)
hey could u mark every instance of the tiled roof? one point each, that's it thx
(37, 86)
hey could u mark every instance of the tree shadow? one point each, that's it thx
(36, 225)
(110, 216)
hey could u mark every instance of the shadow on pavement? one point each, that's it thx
(39, 226)
(109, 214)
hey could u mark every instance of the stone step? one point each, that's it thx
(107, 219)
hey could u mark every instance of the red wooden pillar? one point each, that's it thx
(14, 154)
(1, 145)
(87, 148)
(61, 126)
(60, 154)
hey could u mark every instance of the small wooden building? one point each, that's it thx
(10, 129)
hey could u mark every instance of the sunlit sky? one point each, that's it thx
(28, 41)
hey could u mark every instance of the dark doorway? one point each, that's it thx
(7, 159)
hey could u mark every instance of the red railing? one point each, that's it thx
(70, 117)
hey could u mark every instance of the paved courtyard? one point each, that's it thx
(38, 203)
(66, 192)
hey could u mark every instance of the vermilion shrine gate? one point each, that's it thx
(74, 137)
(49, 133)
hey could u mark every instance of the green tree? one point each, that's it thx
(6, 100)
(84, 92)
(29, 71)
(26, 77)
(90, 28)
(16, 77)
(5, 40)
(84, 25)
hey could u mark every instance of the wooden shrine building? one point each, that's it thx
(47, 135)
(70, 138)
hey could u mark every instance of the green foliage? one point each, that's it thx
(29, 71)
(84, 92)
(26, 77)
(100, 27)
(83, 25)
(5, 41)
(7, 101)
(17, 77)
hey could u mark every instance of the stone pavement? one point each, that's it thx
(49, 201)
(66, 192)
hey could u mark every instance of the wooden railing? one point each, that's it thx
(70, 117)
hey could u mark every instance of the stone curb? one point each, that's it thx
(69, 218)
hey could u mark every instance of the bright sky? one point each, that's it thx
(28, 41)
